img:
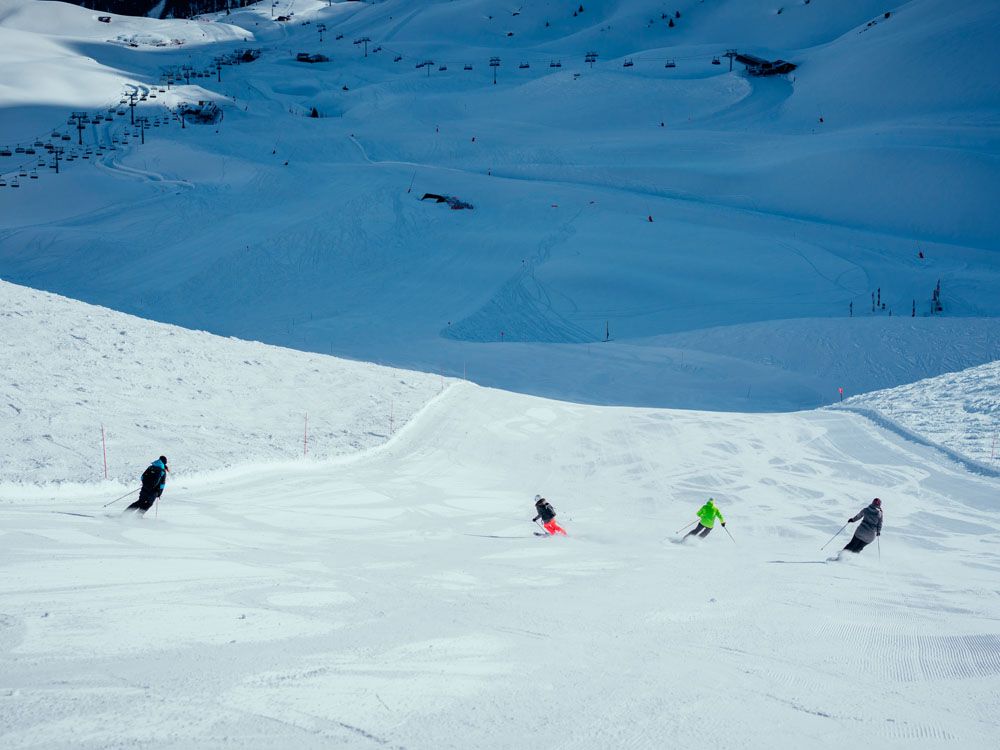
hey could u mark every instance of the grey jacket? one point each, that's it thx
(871, 523)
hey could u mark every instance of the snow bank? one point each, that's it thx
(206, 402)
(959, 412)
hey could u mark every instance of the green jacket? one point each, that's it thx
(708, 513)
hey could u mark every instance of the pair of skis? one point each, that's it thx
(694, 522)
(107, 515)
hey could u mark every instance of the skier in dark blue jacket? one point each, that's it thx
(154, 479)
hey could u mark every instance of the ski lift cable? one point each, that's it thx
(48, 133)
(541, 59)
(675, 57)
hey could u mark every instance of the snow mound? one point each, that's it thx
(206, 401)
(958, 412)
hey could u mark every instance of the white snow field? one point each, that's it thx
(399, 598)
(768, 223)
(734, 238)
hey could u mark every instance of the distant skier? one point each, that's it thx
(871, 526)
(707, 514)
(548, 515)
(154, 479)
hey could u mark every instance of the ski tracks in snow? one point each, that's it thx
(110, 165)
(314, 604)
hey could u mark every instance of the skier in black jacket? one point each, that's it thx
(154, 479)
(548, 515)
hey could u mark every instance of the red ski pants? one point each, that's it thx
(553, 528)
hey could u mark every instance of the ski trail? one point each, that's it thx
(409, 164)
(110, 165)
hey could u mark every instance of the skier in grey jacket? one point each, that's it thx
(871, 526)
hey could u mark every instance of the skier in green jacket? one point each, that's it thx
(707, 515)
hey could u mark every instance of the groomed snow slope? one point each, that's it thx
(69, 368)
(767, 223)
(399, 599)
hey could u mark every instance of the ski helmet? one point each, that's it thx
(163, 460)
(538, 498)
(877, 503)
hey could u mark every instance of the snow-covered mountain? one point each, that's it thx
(778, 205)
(643, 235)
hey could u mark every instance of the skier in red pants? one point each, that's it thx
(548, 515)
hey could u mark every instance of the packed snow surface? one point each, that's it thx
(400, 599)
(642, 234)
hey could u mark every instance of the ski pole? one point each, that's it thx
(878, 545)
(686, 527)
(836, 535)
(121, 498)
(542, 528)
(727, 531)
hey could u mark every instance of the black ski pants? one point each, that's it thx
(701, 530)
(856, 545)
(145, 501)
